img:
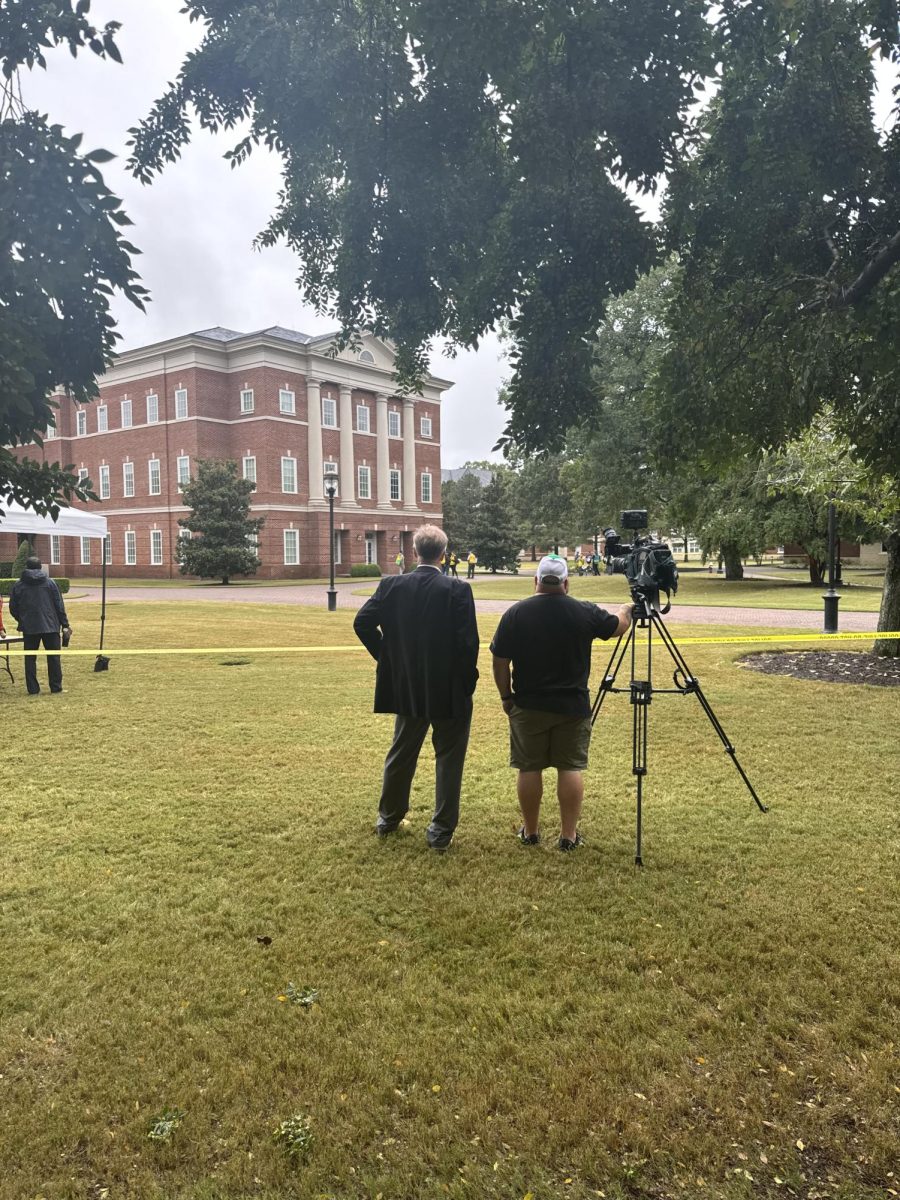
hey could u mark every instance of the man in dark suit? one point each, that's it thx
(420, 628)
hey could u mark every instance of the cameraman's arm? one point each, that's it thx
(624, 613)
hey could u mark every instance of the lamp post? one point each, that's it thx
(331, 482)
(831, 597)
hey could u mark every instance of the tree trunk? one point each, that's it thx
(734, 568)
(889, 617)
(817, 568)
(226, 580)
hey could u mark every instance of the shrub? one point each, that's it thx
(61, 582)
(365, 571)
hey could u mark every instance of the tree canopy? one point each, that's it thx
(62, 255)
(224, 535)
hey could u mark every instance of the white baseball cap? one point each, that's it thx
(552, 569)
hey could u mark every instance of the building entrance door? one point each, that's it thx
(371, 548)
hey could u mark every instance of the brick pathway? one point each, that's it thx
(315, 597)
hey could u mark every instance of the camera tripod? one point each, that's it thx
(647, 616)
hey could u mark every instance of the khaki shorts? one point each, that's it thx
(540, 739)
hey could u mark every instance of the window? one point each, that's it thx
(362, 418)
(180, 404)
(250, 470)
(291, 547)
(395, 485)
(50, 433)
(289, 474)
(102, 418)
(184, 534)
(127, 479)
(364, 483)
(54, 549)
(126, 414)
(85, 552)
(331, 468)
(155, 547)
(425, 426)
(80, 423)
(184, 471)
(130, 548)
(426, 487)
(107, 549)
(104, 483)
(153, 468)
(337, 547)
(329, 412)
(82, 474)
(393, 423)
(366, 356)
(286, 401)
(152, 409)
(247, 403)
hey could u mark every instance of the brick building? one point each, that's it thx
(286, 410)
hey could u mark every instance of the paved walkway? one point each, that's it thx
(316, 597)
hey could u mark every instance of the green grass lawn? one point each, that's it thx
(699, 588)
(492, 1023)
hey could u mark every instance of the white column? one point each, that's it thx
(409, 453)
(314, 439)
(384, 457)
(348, 466)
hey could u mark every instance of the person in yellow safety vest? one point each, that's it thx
(453, 561)
(400, 560)
(471, 559)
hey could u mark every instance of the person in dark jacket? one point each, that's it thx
(37, 606)
(420, 628)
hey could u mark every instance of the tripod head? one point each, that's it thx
(646, 602)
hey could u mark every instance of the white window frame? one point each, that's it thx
(184, 535)
(80, 423)
(425, 427)
(290, 491)
(104, 482)
(156, 548)
(126, 413)
(154, 462)
(153, 409)
(130, 548)
(50, 433)
(102, 418)
(331, 468)
(128, 479)
(287, 402)
(425, 486)
(54, 549)
(394, 427)
(248, 401)
(249, 468)
(362, 419)
(107, 549)
(394, 477)
(181, 404)
(337, 548)
(364, 475)
(82, 474)
(329, 408)
(183, 470)
(85, 551)
(291, 536)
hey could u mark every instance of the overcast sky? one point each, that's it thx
(196, 223)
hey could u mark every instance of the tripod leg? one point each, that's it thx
(641, 694)
(612, 670)
(691, 684)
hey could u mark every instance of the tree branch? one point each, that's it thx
(868, 278)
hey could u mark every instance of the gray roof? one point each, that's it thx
(452, 475)
(219, 334)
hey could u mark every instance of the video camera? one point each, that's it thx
(647, 564)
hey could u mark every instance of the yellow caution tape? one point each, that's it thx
(864, 636)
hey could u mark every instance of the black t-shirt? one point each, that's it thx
(549, 641)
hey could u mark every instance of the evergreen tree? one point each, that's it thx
(223, 535)
(460, 499)
(495, 536)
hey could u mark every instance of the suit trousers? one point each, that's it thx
(450, 739)
(51, 641)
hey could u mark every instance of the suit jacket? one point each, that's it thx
(420, 628)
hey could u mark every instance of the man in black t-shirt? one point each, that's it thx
(546, 640)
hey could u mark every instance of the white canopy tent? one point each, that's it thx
(71, 522)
